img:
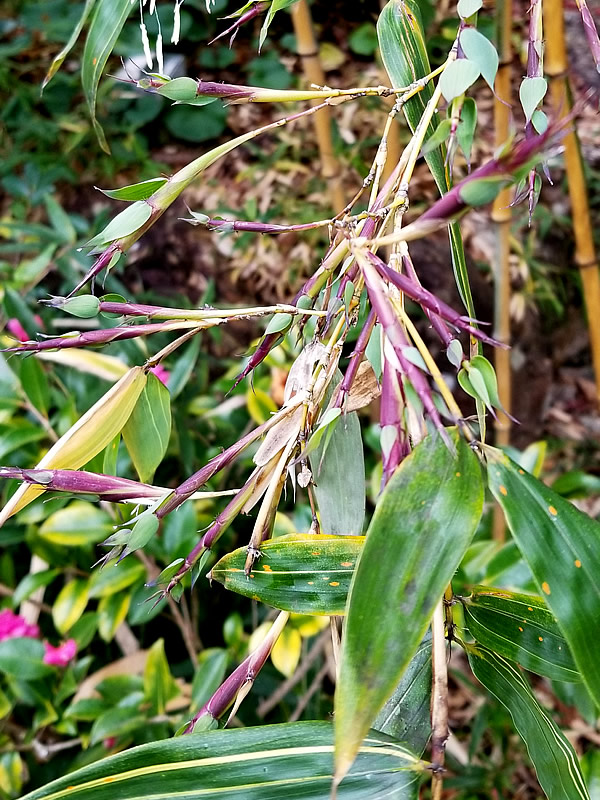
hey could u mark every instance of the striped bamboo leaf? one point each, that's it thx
(562, 547)
(552, 755)
(270, 762)
(520, 627)
(303, 573)
(421, 528)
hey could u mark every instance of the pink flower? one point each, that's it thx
(13, 626)
(61, 655)
(161, 373)
(18, 331)
(110, 742)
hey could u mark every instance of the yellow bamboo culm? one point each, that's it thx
(556, 66)
(501, 215)
(308, 51)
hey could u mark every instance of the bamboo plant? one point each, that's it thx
(393, 584)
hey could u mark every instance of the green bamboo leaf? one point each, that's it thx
(212, 664)
(147, 431)
(70, 604)
(278, 322)
(107, 21)
(531, 93)
(303, 573)
(539, 120)
(338, 468)
(406, 715)
(482, 191)
(326, 425)
(159, 686)
(466, 127)
(265, 762)
(135, 191)
(439, 136)
(58, 59)
(482, 52)
(520, 627)
(144, 529)
(116, 577)
(552, 755)
(23, 658)
(458, 76)
(562, 547)
(420, 530)
(112, 610)
(276, 5)
(124, 224)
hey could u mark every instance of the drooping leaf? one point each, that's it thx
(107, 21)
(260, 763)
(303, 573)
(552, 755)
(520, 627)
(58, 59)
(135, 191)
(466, 128)
(422, 525)
(147, 431)
(562, 547)
(406, 715)
(466, 8)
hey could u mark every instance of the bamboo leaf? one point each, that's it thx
(553, 757)
(77, 524)
(466, 8)
(125, 223)
(90, 435)
(286, 651)
(338, 468)
(420, 530)
(531, 93)
(147, 431)
(23, 658)
(303, 573)
(406, 715)
(107, 21)
(116, 577)
(159, 686)
(466, 127)
(482, 52)
(58, 59)
(520, 627)
(562, 547)
(458, 77)
(261, 763)
(135, 191)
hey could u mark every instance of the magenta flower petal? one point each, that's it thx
(12, 626)
(161, 373)
(61, 655)
(18, 331)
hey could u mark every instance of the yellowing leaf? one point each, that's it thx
(260, 405)
(70, 604)
(112, 610)
(90, 434)
(286, 651)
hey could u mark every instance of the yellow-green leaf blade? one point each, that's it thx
(420, 530)
(292, 761)
(553, 757)
(562, 547)
(520, 628)
(302, 573)
(146, 433)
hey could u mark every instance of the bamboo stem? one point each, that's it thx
(585, 254)
(313, 72)
(439, 700)
(501, 215)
